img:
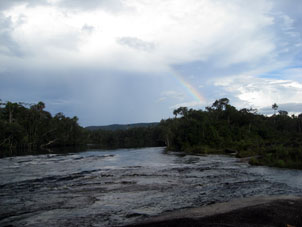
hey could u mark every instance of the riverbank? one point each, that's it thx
(273, 156)
(254, 211)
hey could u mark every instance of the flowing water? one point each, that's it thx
(117, 187)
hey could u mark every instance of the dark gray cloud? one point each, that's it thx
(96, 97)
(136, 43)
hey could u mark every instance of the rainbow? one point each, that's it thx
(189, 88)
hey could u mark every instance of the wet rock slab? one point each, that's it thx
(114, 188)
(252, 212)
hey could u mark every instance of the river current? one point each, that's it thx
(118, 187)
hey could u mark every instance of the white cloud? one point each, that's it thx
(90, 5)
(182, 31)
(294, 74)
(87, 28)
(262, 92)
(6, 4)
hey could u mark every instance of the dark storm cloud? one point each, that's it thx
(96, 97)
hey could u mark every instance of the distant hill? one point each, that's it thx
(115, 127)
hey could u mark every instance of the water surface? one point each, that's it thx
(116, 187)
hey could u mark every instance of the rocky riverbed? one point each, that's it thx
(120, 187)
(256, 211)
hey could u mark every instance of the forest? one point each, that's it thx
(28, 127)
(219, 129)
(274, 140)
(268, 140)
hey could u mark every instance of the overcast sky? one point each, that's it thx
(126, 61)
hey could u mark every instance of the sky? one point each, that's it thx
(129, 61)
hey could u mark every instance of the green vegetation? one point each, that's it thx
(25, 128)
(219, 129)
(131, 138)
(115, 127)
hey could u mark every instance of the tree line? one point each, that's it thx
(274, 140)
(151, 136)
(27, 127)
(270, 140)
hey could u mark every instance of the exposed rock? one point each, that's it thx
(257, 211)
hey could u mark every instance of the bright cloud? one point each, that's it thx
(262, 92)
(250, 51)
(173, 32)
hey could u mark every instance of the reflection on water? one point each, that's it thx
(114, 187)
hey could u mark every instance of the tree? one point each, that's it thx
(299, 122)
(275, 107)
(24, 128)
(10, 108)
(39, 106)
(182, 111)
(221, 104)
(283, 113)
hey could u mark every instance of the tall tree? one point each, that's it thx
(275, 107)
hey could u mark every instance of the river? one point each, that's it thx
(117, 187)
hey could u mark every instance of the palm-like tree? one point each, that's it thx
(275, 107)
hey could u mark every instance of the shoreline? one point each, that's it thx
(284, 210)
